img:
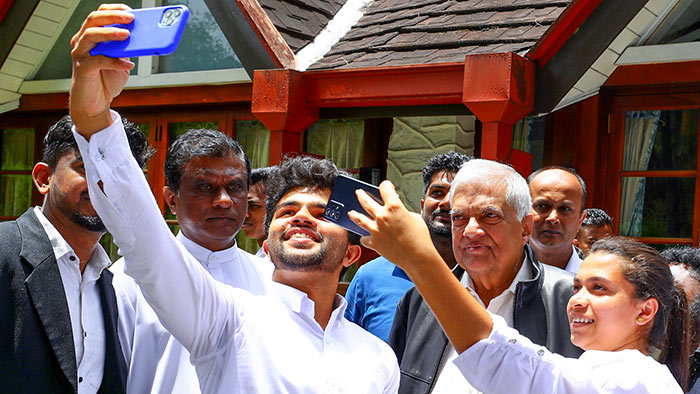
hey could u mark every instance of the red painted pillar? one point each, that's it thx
(279, 102)
(500, 90)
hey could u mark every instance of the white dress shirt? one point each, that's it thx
(157, 362)
(450, 379)
(574, 263)
(238, 342)
(507, 362)
(84, 306)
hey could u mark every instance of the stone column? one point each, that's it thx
(415, 140)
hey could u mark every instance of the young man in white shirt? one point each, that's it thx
(295, 339)
(200, 169)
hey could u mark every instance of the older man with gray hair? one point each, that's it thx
(491, 224)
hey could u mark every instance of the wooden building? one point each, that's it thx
(611, 88)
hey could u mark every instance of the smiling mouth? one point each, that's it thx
(581, 320)
(301, 234)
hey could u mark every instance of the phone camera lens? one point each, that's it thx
(168, 14)
(176, 13)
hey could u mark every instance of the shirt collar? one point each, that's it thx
(99, 259)
(574, 263)
(299, 302)
(206, 256)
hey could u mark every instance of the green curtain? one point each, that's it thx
(17, 155)
(338, 140)
(255, 140)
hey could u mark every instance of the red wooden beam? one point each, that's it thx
(271, 39)
(655, 74)
(4, 7)
(145, 98)
(561, 30)
(429, 84)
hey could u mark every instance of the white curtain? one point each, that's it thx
(640, 131)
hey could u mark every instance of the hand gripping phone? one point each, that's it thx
(153, 32)
(343, 199)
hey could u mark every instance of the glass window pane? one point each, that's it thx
(58, 63)
(203, 45)
(528, 136)
(660, 140)
(657, 207)
(15, 194)
(17, 149)
(255, 140)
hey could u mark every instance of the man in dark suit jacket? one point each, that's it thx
(52, 281)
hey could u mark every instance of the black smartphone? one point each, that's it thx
(343, 199)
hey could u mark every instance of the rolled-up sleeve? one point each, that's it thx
(180, 291)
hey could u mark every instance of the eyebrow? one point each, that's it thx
(297, 203)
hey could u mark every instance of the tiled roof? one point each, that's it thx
(400, 32)
(299, 21)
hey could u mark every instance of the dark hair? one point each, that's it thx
(684, 255)
(451, 161)
(596, 217)
(260, 175)
(570, 171)
(300, 172)
(59, 141)
(199, 143)
(648, 271)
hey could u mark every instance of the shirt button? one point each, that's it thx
(540, 353)
(512, 341)
(85, 334)
(72, 258)
(80, 379)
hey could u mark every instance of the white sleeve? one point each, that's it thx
(181, 292)
(507, 362)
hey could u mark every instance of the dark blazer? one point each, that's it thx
(37, 354)
(539, 313)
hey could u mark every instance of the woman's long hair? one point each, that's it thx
(648, 271)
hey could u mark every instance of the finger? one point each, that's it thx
(113, 7)
(366, 241)
(102, 18)
(369, 204)
(102, 63)
(363, 221)
(95, 35)
(388, 193)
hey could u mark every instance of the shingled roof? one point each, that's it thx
(400, 32)
(299, 21)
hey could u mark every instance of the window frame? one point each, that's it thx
(619, 105)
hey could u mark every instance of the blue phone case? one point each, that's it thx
(343, 199)
(148, 36)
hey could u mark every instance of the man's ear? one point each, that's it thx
(169, 197)
(576, 243)
(352, 254)
(265, 247)
(41, 175)
(583, 216)
(527, 227)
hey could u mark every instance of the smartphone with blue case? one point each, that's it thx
(343, 199)
(153, 32)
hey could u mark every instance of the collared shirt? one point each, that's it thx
(450, 379)
(238, 342)
(158, 363)
(373, 294)
(507, 362)
(84, 306)
(574, 263)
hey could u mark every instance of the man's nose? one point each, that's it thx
(222, 198)
(553, 217)
(472, 227)
(302, 216)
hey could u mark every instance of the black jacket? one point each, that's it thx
(37, 354)
(539, 314)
